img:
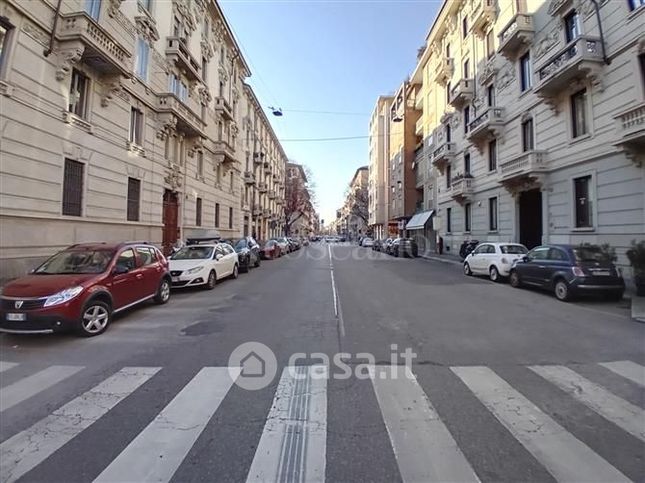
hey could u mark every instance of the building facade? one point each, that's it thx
(534, 121)
(128, 119)
(378, 183)
(354, 217)
(302, 219)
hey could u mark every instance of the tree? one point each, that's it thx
(299, 196)
(359, 204)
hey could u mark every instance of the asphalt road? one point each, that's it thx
(504, 384)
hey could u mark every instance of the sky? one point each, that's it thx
(328, 56)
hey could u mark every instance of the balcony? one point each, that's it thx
(271, 195)
(522, 167)
(461, 189)
(224, 108)
(279, 201)
(443, 155)
(258, 157)
(462, 93)
(518, 33)
(262, 187)
(630, 125)
(99, 49)
(580, 59)
(444, 71)
(170, 106)
(266, 212)
(487, 125)
(257, 211)
(267, 167)
(177, 52)
(484, 14)
(418, 127)
(249, 178)
(224, 152)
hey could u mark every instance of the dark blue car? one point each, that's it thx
(569, 270)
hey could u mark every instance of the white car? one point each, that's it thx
(367, 242)
(493, 259)
(204, 265)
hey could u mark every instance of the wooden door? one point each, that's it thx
(169, 219)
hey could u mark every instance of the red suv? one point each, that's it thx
(81, 287)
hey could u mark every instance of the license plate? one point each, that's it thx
(601, 272)
(175, 279)
(16, 317)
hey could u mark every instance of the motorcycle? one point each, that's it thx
(467, 247)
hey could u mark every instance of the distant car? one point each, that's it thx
(387, 244)
(248, 253)
(404, 247)
(285, 247)
(367, 242)
(493, 259)
(270, 250)
(203, 265)
(81, 287)
(294, 244)
(377, 245)
(569, 270)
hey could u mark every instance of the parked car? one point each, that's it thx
(569, 270)
(83, 286)
(387, 244)
(203, 265)
(285, 247)
(248, 253)
(294, 244)
(367, 242)
(377, 245)
(270, 250)
(493, 259)
(404, 247)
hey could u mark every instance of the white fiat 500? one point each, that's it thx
(203, 265)
(493, 259)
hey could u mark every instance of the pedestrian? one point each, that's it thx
(440, 245)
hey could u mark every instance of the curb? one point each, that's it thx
(439, 259)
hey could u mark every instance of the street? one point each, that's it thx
(507, 385)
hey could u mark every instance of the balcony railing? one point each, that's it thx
(444, 70)
(462, 93)
(630, 126)
(187, 121)
(222, 106)
(486, 124)
(518, 33)
(523, 165)
(225, 150)
(249, 177)
(443, 155)
(484, 13)
(257, 211)
(177, 51)
(581, 58)
(262, 187)
(271, 194)
(461, 188)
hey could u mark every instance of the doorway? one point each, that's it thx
(169, 219)
(530, 211)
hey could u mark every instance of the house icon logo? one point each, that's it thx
(252, 365)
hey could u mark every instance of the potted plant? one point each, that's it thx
(636, 256)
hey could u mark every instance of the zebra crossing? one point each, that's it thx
(292, 446)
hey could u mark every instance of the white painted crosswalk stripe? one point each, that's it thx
(628, 369)
(5, 366)
(424, 448)
(629, 417)
(24, 451)
(293, 444)
(30, 386)
(156, 453)
(561, 453)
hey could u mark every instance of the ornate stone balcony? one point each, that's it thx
(444, 70)
(257, 211)
(249, 178)
(484, 13)
(82, 38)
(177, 51)
(279, 201)
(461, 189)
(443, 155)
(462, 93)
(174, 111)
(580, 59)
(519, 169)
(518, 33)
(258, 157)
(488, 124)
(271, 194)
(630, 127)
(224, 152)
(266, 212)
(262, 187)
(224, 108)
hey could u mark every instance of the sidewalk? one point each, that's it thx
(444, 257)
(638, 308)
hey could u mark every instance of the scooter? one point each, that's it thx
(467, 247)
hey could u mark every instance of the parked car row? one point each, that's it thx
(565, 270)
(82, 287)
(398, 247)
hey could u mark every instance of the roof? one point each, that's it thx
(356, 173)
(300, 168)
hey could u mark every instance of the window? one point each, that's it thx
(492, 214)
(448, 93)
(146, 4)
(183, 91)
(216, 215)
(147, 256)
(73, 188)
(492, 155)
(466, 69)
(490, 95)
(641, 64)
(78, 94)
(448, 220)
(200, 163)
(448, 176)
(448, 50)
(557, 255)
(136, 126)
(231, 181)
(578, 113)
(571, 26)
(141, 55)
(448, 134)
(230, 217)
(93, 8)
(466, 118)
(5, 32)
(527, 135)
(127, 260)
(583, 202)
(466, 163)
(198, 212)
(218, 173)
(204, 69)
(526, 80)
(539, 254)
(134, 199)
(634, 4)
(467, 217)
(464, 27)
(176, 27)
(490, 44)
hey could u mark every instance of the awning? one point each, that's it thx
(418, 221)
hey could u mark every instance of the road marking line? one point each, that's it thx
(156, 453)
(30, 386)
(628, 369)
(562, 454)
(620, 412)
(27, 449)
(424, 448)
(5, 366)
(293, 444)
